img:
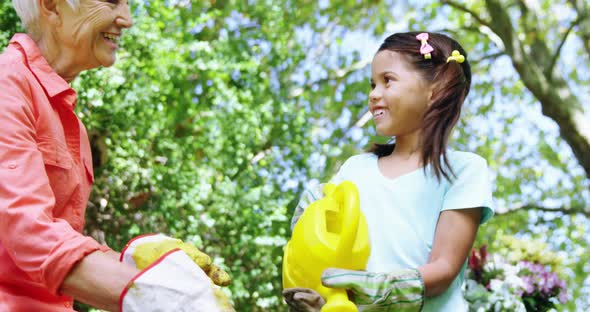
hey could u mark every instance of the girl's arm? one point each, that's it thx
(454, 236)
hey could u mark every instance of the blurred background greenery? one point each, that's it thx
(219, 113)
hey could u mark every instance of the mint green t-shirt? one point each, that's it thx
(402, 213)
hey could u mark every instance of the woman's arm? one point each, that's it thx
(113, 254)
(454, 236)
(98, 280)
(52, 253)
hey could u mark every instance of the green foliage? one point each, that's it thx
(9, 23)
(200, 141)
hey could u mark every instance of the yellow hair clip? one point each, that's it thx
(456, 56)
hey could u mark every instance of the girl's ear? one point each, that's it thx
(430, 92)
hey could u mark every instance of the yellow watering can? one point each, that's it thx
(331, 233)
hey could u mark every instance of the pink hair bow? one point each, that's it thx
(425, 48)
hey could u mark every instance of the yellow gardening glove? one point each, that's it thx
(147, 249)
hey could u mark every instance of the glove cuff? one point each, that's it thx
(136, 277)
(412, 278)
(423, 288)
(171, 283)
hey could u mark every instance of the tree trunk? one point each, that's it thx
(551, 89)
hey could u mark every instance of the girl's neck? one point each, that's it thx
(405, 158)
(407, 146)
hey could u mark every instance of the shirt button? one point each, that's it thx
(12, 166)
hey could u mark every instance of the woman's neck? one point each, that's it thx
(57, 58)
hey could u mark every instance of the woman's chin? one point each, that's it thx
(106, 59)
(108, 62)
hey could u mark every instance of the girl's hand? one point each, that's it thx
(401, 290)
(303, 300)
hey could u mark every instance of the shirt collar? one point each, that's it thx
(53, 83)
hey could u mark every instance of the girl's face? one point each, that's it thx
(399, 95)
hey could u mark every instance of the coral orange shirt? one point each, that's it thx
(45, 180)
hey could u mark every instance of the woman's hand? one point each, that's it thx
(143, 250)
(174, 282)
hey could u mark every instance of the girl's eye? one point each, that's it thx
(388, 80)
(372, 85)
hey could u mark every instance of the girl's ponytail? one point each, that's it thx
(451, 88)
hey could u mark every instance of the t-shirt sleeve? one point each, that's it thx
(471, 189)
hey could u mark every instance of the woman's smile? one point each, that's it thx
(112, 39)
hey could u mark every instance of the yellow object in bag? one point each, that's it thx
(331, 233)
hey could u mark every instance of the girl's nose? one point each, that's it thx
(374, 96)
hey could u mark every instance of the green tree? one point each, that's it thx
(525, 113)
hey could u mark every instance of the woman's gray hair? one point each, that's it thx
(28, 11)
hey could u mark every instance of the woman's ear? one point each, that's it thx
(49, 11)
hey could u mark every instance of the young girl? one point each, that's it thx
(423, 203)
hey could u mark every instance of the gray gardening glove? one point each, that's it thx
(303, 300)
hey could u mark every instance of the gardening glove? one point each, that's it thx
(402, 290)
(144, 250)
(303, 300)
(171, 283)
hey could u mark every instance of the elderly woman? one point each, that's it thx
(46, 174)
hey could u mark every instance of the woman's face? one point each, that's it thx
(399, 95)
(91, 33)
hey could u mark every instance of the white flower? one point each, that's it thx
(515, 282)
(496, 285)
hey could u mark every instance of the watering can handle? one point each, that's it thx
(347, 196)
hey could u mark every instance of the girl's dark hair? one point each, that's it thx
(451, 83)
